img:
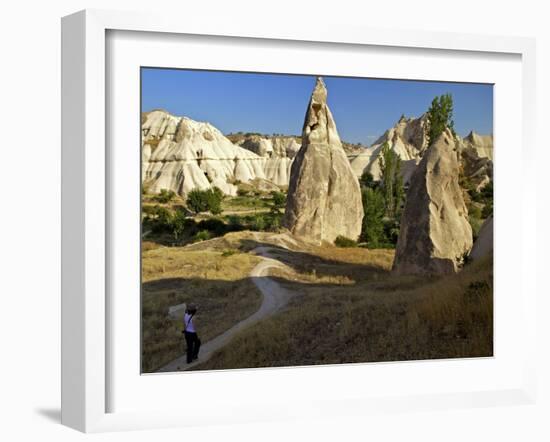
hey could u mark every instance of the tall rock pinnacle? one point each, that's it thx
(324, 197)
(435, 233)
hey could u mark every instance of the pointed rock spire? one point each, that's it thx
(324, 197)
(435, 234)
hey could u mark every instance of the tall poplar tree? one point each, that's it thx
(440, 116)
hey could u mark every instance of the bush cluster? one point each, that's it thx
(165, 196)
(208, 200)
(342, 241)
(382, 203)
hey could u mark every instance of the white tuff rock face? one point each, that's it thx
(181, 154)
(407, 139)
(435, 233)
(279, 153)
(482, 144)
(476, 158)
(484, 242)
(324, 197)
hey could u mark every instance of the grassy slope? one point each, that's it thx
(352, 309)
(217, 283)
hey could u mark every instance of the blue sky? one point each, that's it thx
(273, 103)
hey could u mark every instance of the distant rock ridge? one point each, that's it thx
(324, 197)
(181, 154)
(435, 234)
(408, 138)
(482, 144)
(279, 152)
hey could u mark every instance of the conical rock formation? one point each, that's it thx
(324, 197)
(435, 233)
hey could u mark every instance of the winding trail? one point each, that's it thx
(274, 298)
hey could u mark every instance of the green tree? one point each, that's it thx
(278, 200)
(196, 201)
(214, 199)
(178, 223)
(391, 181)
(440, 116)
(373, 224)
(205, 200)
(367, 180)
(258, 223)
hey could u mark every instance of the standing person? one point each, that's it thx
(191, 337)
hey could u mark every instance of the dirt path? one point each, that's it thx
(274, 298)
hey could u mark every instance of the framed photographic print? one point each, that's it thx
(250, 217)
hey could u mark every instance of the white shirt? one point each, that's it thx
(188, 322)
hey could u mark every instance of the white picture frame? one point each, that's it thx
(86, 353)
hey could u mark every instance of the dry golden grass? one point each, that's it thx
(310, 278)
(218, 282)
(349, 307)
(149, 245)
(381, 317)
(195, 262)
(380, 258)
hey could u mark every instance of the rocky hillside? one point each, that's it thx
(279, 151)
(408, 138)
(181, 154)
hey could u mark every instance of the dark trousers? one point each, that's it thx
(193, 346)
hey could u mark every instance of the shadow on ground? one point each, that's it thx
(51, 414)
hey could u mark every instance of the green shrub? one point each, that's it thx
(278, 200)
(391, 233)
(158, 219)
(178, 223)
(474, 211)
(203, 235)
(165, 196)
(342, 241)
(367, 180)
(487, 191)
(475, 195)
(213, 225)
(476, 224)
(235, 222)
(275, 222)
(259, 223)
(487, 210)
(205, 200)
(197, 201)
(228, 252)
(214, 198)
